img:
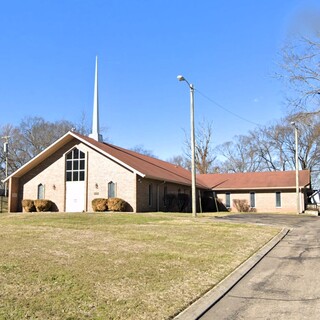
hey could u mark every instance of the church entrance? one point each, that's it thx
(75, 181)
(75, 196)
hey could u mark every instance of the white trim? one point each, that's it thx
(37, 156)
(108, 155)
(73, 135)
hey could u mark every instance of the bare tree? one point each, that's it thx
(241, 155)
(142, 150)
(181, 161)
(275, 147)
(272, 148)
(204, 152)
(300, 68)
(266, 150)
(279, 143)
(29, 138)
(83, 126)
(309, 140)
(37, 133)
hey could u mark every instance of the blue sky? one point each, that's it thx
(228, 49)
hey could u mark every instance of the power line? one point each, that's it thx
(225, 109)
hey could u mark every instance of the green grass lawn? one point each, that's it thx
(115, 266)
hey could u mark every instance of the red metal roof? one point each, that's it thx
(254, 180)
(148, 166)
(163, 171)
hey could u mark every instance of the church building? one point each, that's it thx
(77, 169)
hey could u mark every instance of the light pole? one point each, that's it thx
(297, 165)
(193, 157)
(5, 151)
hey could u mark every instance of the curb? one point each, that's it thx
(199, 307)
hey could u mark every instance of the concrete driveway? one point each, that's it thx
(284, 284)
(284, 220)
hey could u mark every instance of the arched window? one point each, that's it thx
(75, 165)
(111, 189)
(40, 191)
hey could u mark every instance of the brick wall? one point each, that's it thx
(157, 188)
(51, 174)
(265, 200)
(100, 170)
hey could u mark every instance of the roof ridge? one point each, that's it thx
(149, 166)
(138, 156)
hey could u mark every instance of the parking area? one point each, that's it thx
(283, 220)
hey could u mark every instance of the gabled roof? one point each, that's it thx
(142, 165)
(255, 180)
(153, 168)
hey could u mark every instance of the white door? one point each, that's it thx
(75, 196)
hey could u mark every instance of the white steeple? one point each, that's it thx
(95, 133)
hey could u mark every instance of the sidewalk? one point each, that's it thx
(281, 281)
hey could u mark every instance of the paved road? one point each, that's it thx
(285, 284)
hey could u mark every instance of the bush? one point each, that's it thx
(243, 206)
(28, 205)
(99, 204)
(43, 205)
(117, 204)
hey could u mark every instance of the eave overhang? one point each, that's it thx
(68, 137)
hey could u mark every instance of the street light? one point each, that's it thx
(5, 151)
(193, 166)
(297, 165)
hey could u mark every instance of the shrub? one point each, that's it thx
(117, 204)
(243, 206)
(99, 204)
(42, 205)
(28, 205)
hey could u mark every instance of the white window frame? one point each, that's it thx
(75, 165)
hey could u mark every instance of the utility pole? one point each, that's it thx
(297, 165)
(193, 157)
(5, 151)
